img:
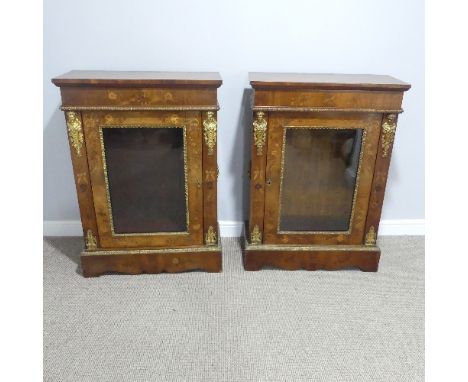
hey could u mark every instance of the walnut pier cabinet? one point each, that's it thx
(143, 147)
(321, 148)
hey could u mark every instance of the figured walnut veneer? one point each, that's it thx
(98, 100)
(325, 102)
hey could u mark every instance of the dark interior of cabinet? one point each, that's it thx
(146, 179)
(319, 174)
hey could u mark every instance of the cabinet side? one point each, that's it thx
(257, 177)
(210, 177)
(82, 180)
(382, 165)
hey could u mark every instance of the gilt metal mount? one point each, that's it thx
(211, 237)
(388, 133)
(256, 235)
(74, 131)
(209, 132)
(259, 131)
(371, 236)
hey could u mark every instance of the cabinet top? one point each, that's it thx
(327, 81)
(138, 79)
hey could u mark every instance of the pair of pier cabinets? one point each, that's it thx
(144, 153)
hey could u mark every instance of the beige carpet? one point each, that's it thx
(269, 325)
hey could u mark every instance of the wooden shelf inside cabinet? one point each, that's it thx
(143, 147)
(321, 148)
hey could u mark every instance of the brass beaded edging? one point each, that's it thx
(356, 186)
(104, 165)
(141, 108)
(313, 247)
(210, 248)
(325, 109)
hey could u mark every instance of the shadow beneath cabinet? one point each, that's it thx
(70, 247)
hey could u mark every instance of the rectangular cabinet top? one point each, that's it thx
(138, 79)
(327, 81)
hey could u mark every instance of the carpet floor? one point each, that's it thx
(270, 325)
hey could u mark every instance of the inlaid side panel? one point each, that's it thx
(79, 158)
(210, 177)
(195, 174)
(257, 177)
(382, 165)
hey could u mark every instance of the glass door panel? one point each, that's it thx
(146, 180)
(319, 172)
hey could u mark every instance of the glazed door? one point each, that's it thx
(146, 171)
(318, 177)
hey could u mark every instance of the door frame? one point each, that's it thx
(278, 125)
(94, 122)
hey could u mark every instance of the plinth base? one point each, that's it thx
(137, 261)
(311, 258)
